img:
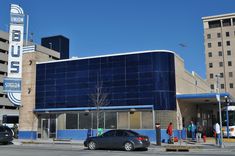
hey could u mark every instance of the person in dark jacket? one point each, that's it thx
(192, 129)
(170, 133)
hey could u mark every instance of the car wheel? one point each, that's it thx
(91, 145)
(128, 146)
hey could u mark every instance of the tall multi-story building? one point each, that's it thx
(58, 43)
(219, 37)
(5, 105)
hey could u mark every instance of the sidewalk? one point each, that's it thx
(47, 141)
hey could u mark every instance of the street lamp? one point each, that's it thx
(218, 99)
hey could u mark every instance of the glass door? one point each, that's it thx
(45, 128)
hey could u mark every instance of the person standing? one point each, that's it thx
(170, 133)
(199, 133)
(218, 134)
(192, 130)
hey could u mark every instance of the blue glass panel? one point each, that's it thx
(133, 79)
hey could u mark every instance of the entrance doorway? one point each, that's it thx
(48, 126)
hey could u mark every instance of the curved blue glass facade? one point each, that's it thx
(129, 79)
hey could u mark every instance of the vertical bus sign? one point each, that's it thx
(12, 83)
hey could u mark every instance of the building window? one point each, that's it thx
(219, 44)
(135, 120)
(228, 52)
(212, 86)
(226, 22)
(208, 36)
(230, 74)
(71, 121)
(231, 85)
(110, 120)
(220, 53)
(214, 24)
(210, 65)
(123, 120)
(85, 120)
(147, 120)
(221, 64)
(221, 75)
(228, 43)
(211, 76)
(229, 63)
(222, 86)
(210, 54)
(101, 120)
(209, 45)
(218, 35)
(227, 34)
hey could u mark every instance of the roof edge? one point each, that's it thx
(107, 55)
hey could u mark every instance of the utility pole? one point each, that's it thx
(220, 115)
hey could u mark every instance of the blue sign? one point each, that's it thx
(12, 85)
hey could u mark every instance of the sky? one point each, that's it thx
(98, 27)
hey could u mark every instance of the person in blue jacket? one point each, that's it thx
(192, 128)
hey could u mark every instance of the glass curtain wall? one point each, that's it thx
(131, 79)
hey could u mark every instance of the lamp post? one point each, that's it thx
(218, 99)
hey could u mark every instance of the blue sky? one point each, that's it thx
(97, 27)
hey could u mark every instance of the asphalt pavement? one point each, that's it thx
(45, 149)
(229, 144)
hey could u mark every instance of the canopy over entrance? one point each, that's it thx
(202, 109)
(205, 98)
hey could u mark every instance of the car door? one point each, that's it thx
(106, 140)
(119, 139)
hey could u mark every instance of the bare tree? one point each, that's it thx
(99, 99)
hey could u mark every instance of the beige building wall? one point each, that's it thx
(28, 120)
(187, 83)
(215, 42)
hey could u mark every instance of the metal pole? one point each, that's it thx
(227, 121)
(153, 112)
(220, 116)
(27, 29)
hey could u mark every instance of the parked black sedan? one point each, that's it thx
(6, 135)
(118, 139)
